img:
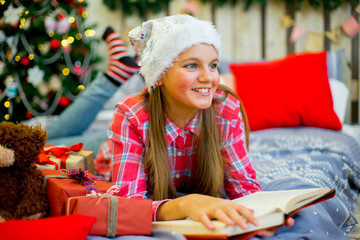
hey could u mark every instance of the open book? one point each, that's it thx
(271, 208)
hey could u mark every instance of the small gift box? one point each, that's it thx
(61, 184)
(115, 215)
(72, 157)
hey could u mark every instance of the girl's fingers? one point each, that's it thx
(246, 213)
(204, 218)
(290, 222)
(236, 217)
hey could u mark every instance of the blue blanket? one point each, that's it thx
(295, 158)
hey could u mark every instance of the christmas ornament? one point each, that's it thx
(64, 101)
(12, 15)
(54, 44)
(11, 89)
(35, 75)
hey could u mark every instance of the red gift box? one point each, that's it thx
(59, 188)
(115, 215)
(61, 157)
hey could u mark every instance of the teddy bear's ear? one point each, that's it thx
(40, 136)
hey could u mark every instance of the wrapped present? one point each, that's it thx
(72, 157)
(115, 215)
(61, 184)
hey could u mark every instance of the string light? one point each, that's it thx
(81, 87)
(7, 104)
(78, 36)
(71, 19)
(64, 42)
(70, 39)
(7, 117)
(51, 34)
(84, 14)
(2, 2)
(31, 56)
(65, 71)
(90, 33)
(17, 58)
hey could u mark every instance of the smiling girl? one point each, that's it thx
(182, 141)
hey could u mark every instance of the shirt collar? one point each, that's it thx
(173, 131)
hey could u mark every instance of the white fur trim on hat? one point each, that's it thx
(158, 42)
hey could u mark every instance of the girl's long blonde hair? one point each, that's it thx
(209, 176)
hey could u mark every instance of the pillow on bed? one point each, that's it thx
(287, 92)
(72, 227)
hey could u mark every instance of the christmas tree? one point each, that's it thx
(46, 56)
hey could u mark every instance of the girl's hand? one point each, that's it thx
(204, 208)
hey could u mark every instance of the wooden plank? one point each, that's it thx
(275, 38)
(247, 26)
(338, 16)
(224, 22)
(355, 72)
(176, 6)
(312, 20)
(205, 11)
(96, 12)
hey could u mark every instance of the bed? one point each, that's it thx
(295, 156)
(290, 155)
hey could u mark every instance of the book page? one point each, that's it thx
(269, 201)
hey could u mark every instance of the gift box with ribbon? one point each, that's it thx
(66, 157)
(115, 215)
(62, 184)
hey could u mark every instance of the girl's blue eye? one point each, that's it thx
(191, 65)
(213, 66)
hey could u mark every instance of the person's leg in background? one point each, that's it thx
(75, 119)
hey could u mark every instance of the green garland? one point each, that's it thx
(143, 7)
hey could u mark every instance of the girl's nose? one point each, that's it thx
(206, 75)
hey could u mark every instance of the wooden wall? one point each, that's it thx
(256, 34)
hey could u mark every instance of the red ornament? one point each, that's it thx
(60, 16)
(29, 115)
(54, 44)
(24, 61)
(64, 101)
(77, 70)
(80, 10)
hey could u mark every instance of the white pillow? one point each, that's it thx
(340, 94)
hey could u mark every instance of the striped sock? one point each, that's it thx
(121, 65)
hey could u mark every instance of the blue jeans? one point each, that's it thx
(74, 120)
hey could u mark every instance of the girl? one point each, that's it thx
(182, 141)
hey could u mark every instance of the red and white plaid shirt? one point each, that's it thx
(128, 133)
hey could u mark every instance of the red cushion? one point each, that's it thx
(73, 227)
(287, 92)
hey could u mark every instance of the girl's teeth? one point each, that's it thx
(202, 90)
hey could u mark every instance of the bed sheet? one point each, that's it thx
(294, 158)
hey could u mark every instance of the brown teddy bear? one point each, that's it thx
(22, 193)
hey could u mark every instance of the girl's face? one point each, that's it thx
(190, 83)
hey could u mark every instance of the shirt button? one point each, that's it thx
(182, 134)
(179, 154)
(177, 175)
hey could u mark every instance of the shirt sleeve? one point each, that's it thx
(240, 176)
(127, 159)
